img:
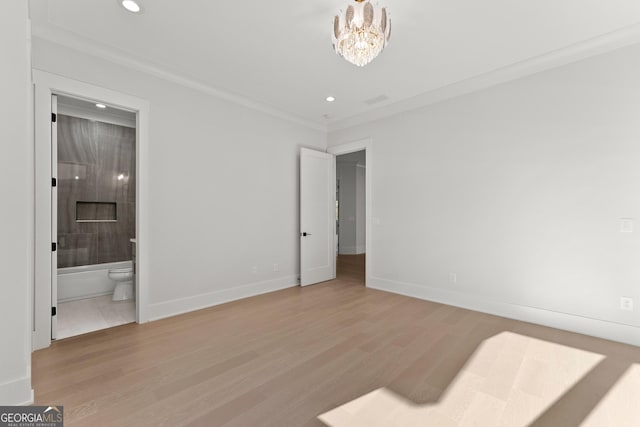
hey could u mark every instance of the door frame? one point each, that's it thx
(46, 85)
(54, 217)
(351, 147)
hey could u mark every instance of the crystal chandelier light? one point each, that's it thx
(361, 33)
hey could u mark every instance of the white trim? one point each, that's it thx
(32, 201)
(17, 392)
(576, 52)
(351, 147)
(45, 85)
(198, 302)
(53, 212)
(70, 40)
(569, 322)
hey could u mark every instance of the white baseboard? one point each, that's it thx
(351, 250)
(584, 325)
(197, 302)
(16, 393)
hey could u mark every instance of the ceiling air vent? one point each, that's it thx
(376, 100)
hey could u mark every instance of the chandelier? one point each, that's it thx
(361, 33)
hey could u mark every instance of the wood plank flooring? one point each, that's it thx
(347, 354)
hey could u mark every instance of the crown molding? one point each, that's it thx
(573, 53)
(51, 33)
(576, 52)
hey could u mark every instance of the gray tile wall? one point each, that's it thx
(91, 157)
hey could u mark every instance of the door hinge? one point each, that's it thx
(54, 311)
(54, 182)
(54, 246)
(54, 117)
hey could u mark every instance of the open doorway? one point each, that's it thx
(351, 217)
(93, 216)
(45, 298)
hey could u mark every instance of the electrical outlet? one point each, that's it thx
(453, 277)
(276, 267)
(254, 269)
(626, 303)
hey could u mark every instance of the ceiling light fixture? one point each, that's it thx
(361, 33)
(131, 6)
(330, 98)
(101, 106)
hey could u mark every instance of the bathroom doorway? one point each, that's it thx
(93, 216)
(45, 277)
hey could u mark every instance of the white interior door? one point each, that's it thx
(54, 216)
(317, 216)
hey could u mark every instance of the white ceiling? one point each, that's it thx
(87, 109)
(278, 52)
(358, 157)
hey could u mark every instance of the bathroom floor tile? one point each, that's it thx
(92, 314)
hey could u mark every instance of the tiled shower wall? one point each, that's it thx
(96, 163)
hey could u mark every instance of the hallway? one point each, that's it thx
(351, 268)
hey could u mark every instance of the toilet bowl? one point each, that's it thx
(124, 283)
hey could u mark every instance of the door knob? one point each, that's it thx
(305, 234)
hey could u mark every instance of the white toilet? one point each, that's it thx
(124, 283)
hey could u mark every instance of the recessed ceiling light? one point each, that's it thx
(131, 6)
(330, 98)
(101, 106)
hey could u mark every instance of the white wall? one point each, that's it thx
(16, 188)
(519, 190)
(352, 207)
(346, 173)
(361, 216)
(223, 187)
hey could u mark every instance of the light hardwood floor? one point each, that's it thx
(347, 354)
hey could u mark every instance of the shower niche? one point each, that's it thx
(96, 212)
